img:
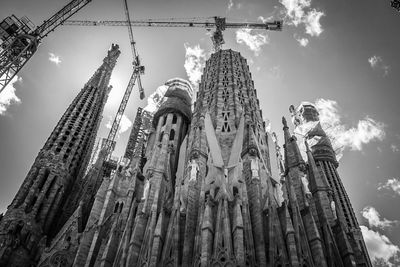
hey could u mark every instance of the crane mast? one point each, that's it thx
(20, 40)
(135, 77)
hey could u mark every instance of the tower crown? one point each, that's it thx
(178, 100)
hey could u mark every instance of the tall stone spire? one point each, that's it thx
(323, 166)
(228, 118)
(30, 217)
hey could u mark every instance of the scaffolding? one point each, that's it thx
(138, 137)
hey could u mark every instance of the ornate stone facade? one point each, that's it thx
(209, 187)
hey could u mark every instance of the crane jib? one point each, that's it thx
(274, 25)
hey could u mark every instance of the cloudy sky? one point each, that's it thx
(341, 55)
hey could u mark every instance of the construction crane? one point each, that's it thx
(138, 69)
(395, 4)
(20, 39)
(218, 24)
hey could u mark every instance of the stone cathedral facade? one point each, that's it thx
(205, 186)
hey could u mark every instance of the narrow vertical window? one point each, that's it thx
(172, 135)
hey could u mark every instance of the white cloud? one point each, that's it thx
(230, 4)
(394, 148)
(366, 131)
(374, 218)
(195, 58)
(313, 26)
(379, 246)
(8, 96)
(154, 100)
(302, 41)
(253, 41)
(54, 58)
(265, 20)
(124, 124)
(342, 137)
(391, 184)
(376, 62)
(299, 12)
(373, 61)
(295, 9)
(276, 72)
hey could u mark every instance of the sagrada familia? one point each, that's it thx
(202, 183)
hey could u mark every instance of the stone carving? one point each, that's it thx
(194, 170)
(333, 208)
(295, 116)
(306, 189)
(255, 168)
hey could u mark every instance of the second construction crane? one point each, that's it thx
(138, 69)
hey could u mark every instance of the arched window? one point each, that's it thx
(216, 192)
(164, 120)
(121, 206)
(174, 119)
(116, 207)
(161, 136)
(235, 191)
(172, 135)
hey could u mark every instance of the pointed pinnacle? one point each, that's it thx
(284, 122)
(306, 144)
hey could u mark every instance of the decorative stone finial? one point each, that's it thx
(284, 122)
(306, 144)
(292, 109)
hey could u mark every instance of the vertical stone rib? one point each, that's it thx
(257, 223)
(238, 235)
(207, 231)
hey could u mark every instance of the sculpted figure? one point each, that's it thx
(305, 186)
(333, 208)
(194, 169)
(254, 168)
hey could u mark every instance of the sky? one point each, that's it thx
(341, 55)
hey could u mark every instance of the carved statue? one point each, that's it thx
(194, 170)
(333, 208)
(279, 194)
(306, 189)
(295, 117)
(255, 168)
(146, 189)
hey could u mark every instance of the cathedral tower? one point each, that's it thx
(228, 144)
(31, 216)
(323, 157)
